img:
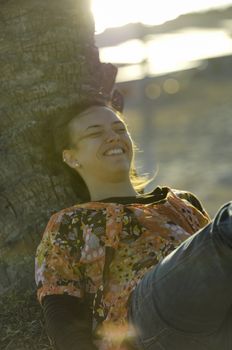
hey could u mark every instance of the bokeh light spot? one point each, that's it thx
(153, 91)
(171, 86)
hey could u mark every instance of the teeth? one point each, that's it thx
(114, 151)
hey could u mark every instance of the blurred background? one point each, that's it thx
(175, 71)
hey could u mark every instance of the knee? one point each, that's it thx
(223, 222)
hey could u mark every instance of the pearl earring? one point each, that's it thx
(77, 165)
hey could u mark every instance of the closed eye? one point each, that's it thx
(95, 134)
(121, 130)
(99, 133)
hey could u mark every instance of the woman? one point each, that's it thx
(102, 276)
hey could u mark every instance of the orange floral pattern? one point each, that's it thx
(106, 248)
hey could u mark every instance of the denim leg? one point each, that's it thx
(190, 291)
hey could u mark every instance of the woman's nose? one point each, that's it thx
(112, 136)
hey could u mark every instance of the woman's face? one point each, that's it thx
(101, 145)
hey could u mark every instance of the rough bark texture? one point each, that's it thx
(48, 63)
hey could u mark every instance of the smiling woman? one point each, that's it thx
(106, 145)
(124, 270)
(86, 132)
(121, 269)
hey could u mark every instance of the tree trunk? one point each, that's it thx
(48, 63)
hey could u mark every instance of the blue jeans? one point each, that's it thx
(185, 302)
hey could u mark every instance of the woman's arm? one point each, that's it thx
(60, 278)
(68, 322)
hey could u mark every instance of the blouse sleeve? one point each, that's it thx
(57, 263)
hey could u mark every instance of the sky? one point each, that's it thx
(113, 13)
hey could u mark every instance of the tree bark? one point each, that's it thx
(48, 62)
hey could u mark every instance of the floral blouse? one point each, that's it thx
(106, 248)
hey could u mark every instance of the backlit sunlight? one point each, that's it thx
(158, 54)
(114, 13)
(165, 53)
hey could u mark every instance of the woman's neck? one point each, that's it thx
(112, 190)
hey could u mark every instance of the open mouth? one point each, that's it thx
(114, 151)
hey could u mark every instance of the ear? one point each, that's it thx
(70, 158)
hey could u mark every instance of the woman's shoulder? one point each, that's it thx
(76, 210)
(191, 198)
(69, 211)
(165, 191)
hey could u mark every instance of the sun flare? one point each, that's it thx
(163, 52)
(112, 13)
